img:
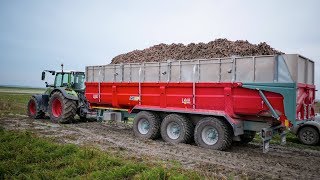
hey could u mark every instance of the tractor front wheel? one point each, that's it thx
(61, 109)
(34, 109)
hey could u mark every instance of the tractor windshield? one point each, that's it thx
(78, 80)
(61, 80)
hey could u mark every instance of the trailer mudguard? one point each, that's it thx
(287, 90)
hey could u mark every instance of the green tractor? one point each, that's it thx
(62, 100)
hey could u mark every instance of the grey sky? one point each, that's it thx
(41, 34)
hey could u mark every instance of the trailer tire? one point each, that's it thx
(146, 125)
(176, 128)
(61, 109)
(309, 135)
(33, 109)
(213, 133)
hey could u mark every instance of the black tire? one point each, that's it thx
(68, 108)
(222, 134)
(176, 121)
(83, 119)
(152, 129)
(308, 135)
(33, 109)
(247, 137)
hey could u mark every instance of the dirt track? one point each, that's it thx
(249, 161)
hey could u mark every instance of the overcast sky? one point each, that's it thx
(42, 34)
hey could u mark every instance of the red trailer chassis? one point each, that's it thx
(244, 109)
(225, 99)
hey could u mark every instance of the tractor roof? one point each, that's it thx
(69, 71)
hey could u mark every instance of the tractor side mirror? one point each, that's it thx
(43, 76)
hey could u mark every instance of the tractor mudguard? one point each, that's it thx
(43, 100)
(68, 93)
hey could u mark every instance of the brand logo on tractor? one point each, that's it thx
(186, 101)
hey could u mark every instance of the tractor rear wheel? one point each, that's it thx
(61, 109)
(34, 109)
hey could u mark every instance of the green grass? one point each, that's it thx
(24, 90)
(292, 141)
(12, 104)
(14, 100)
(23, 155)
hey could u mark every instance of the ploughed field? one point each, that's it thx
(290, 161)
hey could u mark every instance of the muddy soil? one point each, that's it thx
(240, 161)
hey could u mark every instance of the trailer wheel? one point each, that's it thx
(308, 135)
(176, 128)
(61, 109)
(146, 125)
(213, 133)
(34, 109)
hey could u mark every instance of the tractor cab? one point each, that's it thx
(71, 79)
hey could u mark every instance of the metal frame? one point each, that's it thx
(180, 74)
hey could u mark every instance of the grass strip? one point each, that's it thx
(24, 155)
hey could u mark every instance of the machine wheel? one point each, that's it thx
(247, 137)
(308, 135)
(82, 117)
(61, 109)
(176, 128)
(146, 125)
(34, 109)
(213, 133)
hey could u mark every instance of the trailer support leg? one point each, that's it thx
(266, 135)
(100, 115)
(283, 138)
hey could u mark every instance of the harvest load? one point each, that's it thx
(218, 48)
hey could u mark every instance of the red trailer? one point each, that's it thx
(210, 101)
